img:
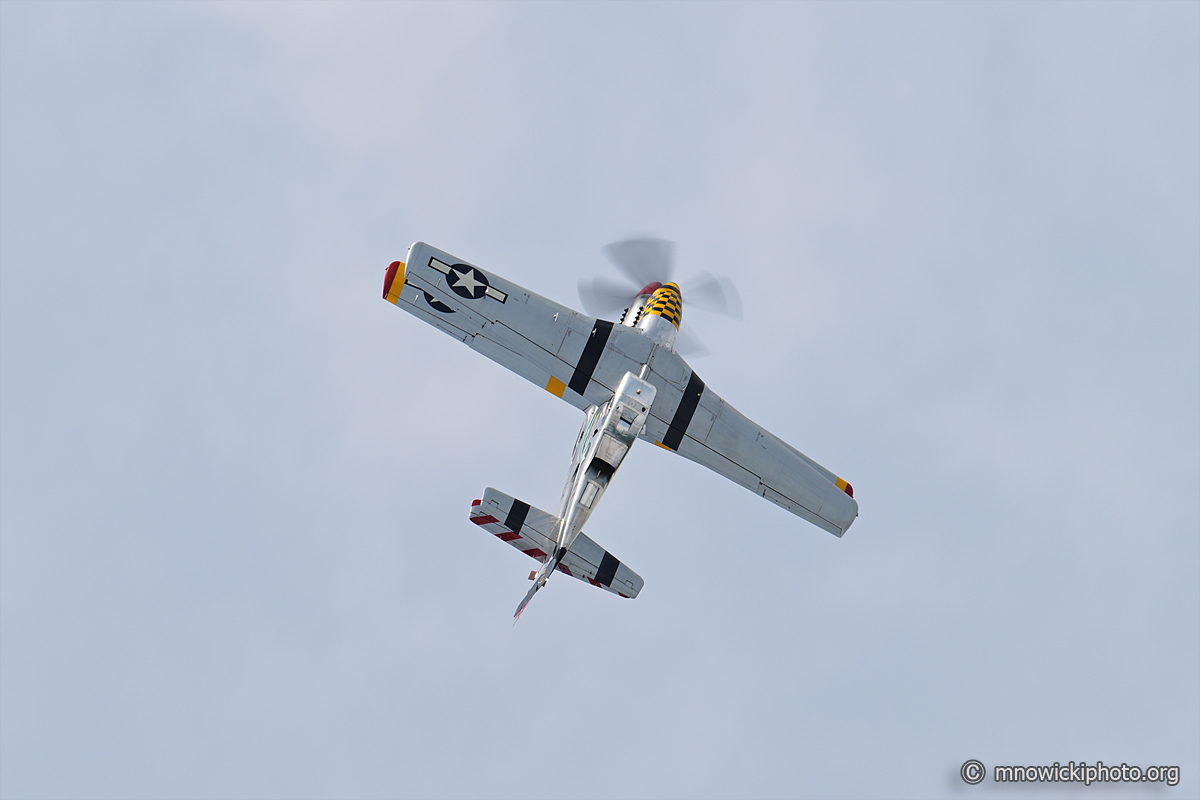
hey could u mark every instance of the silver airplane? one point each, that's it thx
(630, 383)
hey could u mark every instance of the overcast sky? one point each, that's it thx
(235, 556)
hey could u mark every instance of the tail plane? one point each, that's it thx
(534, 532)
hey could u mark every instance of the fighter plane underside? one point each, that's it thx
(630, 383)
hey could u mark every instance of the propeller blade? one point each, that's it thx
(689, 345)
(605, 298)
(714, 294)
(643, 261)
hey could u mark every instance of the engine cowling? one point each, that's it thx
(661, 317)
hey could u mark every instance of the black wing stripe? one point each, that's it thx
(608, 569)
(516, 516)
(685, 412)
(591, 356)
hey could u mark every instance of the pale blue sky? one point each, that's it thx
(235, 559)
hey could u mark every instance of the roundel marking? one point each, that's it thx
(467, 282)
(437, 305)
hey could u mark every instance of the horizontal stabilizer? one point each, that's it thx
(532, 531)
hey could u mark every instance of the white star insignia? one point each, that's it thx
(466, 279)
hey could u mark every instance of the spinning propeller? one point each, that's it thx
(646, 261)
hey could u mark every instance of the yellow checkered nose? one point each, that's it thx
(666, 303)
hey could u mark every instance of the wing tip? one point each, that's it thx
(391, 286)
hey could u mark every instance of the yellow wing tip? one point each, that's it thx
(393, 282)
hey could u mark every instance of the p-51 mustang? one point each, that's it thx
(630, 383)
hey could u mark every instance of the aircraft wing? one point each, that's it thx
(582, 359)
(532, 531)
(691, 419)
(540, 340)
